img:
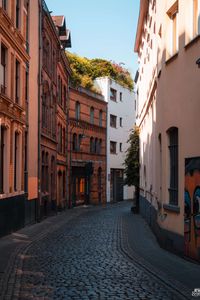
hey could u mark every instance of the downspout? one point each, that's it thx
(38, 215)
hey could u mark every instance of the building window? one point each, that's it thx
(26, 24)
(47, 172)
(173, 15)
(59, 90)
(64, 181)
(64, 144)
(53, 177)
(100, 118)
(17, 81)
(4, 52)
(120, 147)
(65, 98)
(113, 95)
(195, 17)
(2, 158)
(96, 145)
(4, 4)
(77, 111)
(16, 160)
(92, 115)
(43, 172)
(120, 96)
(113, 147)
(26, 162)
(92, 145)
(80, 137)
(120, 122)
(17, 13)
(60, 138)
(173, 157)
(113, 121)
(100, 146)
(26, 84)
(74, 142)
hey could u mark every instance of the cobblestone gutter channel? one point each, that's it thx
(179, 291)
(84, 257)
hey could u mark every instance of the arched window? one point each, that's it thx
(74, 142)
(91, 145)
(16, 161)
(77, 111)
(96, 145)
(173, 163)
(47, 171)
(2, 157)
(64, 183)
(64, 141)
(79, 142)
(92, 115)
(100, 118)
(43, 172)
(100, 146)
(52, 178)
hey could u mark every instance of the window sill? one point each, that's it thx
(171, 58)
(172, 208)
(13, 194)
(192, 41)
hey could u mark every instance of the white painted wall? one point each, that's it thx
(124, 109)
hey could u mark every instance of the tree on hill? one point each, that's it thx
(132, 164)
(85, 70)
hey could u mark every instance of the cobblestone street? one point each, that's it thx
(85, 257)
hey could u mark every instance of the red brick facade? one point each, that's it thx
(87, 144)
(55, 74)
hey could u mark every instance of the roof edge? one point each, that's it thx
(144, 4)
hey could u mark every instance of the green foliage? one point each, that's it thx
(131, 163)
(85, 70)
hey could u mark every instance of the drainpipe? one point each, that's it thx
(38, 215)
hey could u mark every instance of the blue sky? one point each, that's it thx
(101, 29)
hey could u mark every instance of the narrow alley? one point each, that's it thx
(92, 253)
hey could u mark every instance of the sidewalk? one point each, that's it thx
(143, 242)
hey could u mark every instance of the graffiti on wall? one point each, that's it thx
(192, 207)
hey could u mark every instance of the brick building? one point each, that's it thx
(55, 74)
(87, 147)
(13, 113)
(63, 72)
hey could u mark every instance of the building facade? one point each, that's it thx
(120, 120)
(167, 43)
(13, 113)
(63, 74)
(53, 117)
(87, 147)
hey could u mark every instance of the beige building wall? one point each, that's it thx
(167, 44)
(33, 101)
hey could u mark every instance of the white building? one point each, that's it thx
(120, 120)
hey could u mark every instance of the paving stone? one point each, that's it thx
(83, 259)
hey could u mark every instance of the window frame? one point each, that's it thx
(113, 94)
(173, 148)
(113, 121)
(92, 115)
(114, 145)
